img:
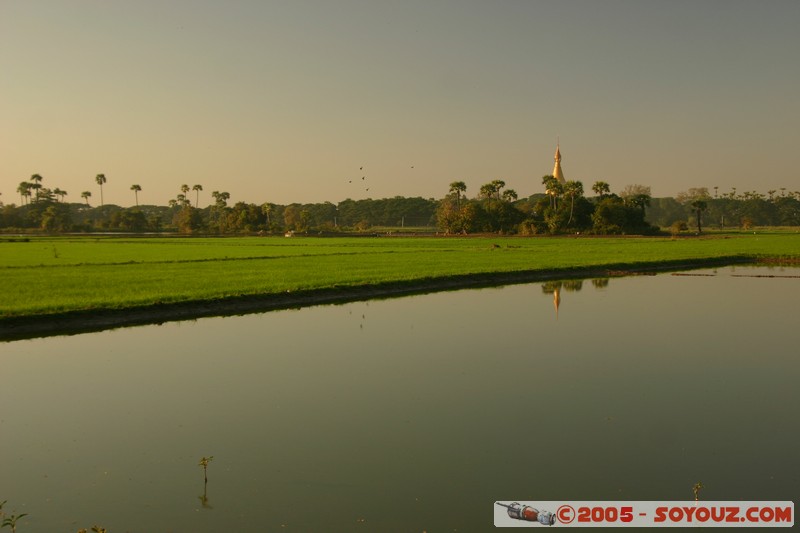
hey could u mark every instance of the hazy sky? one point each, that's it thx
(283, 101)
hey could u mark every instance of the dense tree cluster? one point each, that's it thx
(560, 208)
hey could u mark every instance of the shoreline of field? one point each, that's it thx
(93, 320)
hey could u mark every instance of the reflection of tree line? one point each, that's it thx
(569, 285)
(572, 285)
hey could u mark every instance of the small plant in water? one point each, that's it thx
(204, 463)
(204, 497)
(11, 521)
(696, 489)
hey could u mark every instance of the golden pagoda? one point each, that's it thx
(557, 168)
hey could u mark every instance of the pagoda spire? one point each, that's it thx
(557, 167)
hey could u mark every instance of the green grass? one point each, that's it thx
(56, 275)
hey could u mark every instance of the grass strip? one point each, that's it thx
(91, 280)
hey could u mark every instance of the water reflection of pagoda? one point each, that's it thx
(570, 285)
(555, 288)
(556, 299)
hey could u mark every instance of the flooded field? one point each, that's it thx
(414, 413)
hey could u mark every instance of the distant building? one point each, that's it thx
(557, 168)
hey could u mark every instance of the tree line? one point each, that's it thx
(558, 208)
(42, 208)
(731, 210)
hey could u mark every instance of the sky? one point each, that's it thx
(310, 101)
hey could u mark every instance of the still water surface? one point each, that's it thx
(411, 414)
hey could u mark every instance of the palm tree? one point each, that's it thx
(61, 194)
(197, 188)
(457, 188)
(601, 188)
(487, 190)
(699, 206)
(497, 185)
(221, 198)
(100, 179)
(24, 190)
(85, 195)
(510, 195)
(572, 189)
(184, 189)
(36, 184)
(553, 188)
(136, 188)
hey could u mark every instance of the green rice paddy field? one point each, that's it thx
(42, 275)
